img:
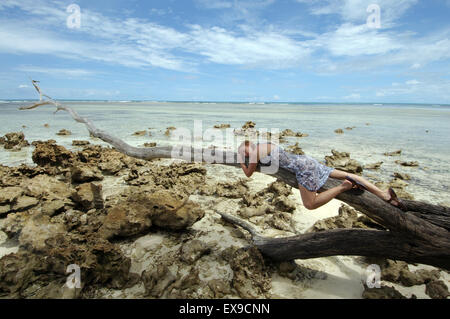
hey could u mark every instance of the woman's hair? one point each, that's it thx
(244, 144)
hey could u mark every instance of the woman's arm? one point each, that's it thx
(250, 169)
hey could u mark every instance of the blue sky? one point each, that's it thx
(228, 50)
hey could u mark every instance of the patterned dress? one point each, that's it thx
(309, 172)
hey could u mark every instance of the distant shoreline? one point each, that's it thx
(4, 101)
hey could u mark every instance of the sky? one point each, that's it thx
(346, 51)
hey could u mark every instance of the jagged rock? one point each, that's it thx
(9, 195)
(112, 162)
(282, 203)
(347, 216)
(291, 133)
(64, 132)
(342, 161)
(157, 279)
(249, 125)
(222, 126)
(437, 289)
(37, 230)
(339, 131)
(23, 274)
(395, 153)
(219, 287)
(24, 203)
(250, 276)
(402, 176)
(88, 196)
(14, 141)
(281, 221)
(50, 154)
(139, 212)
(193, 250)
(295, 149)
(80, 143)
(409, 164)
(248, 212)
(384, 292)
(228, 190)
(170, 130)
(82, 173)
(46, 125)
(373, 166)
(150, 145)
(140, 133)
(46, 188)
(398, 272)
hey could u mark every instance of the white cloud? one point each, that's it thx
(56, 71)
(23, 86)
(353, 96)
(356, 10)
(412, 82)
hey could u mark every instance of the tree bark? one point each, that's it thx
(420, 235)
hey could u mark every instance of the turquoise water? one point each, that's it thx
(391, 127)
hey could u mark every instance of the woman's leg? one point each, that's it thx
(312, 200)
(384, 195)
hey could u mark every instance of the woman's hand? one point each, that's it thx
(346, 185)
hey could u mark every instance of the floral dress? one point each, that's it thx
(309, 172)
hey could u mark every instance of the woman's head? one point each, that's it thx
(247, 148)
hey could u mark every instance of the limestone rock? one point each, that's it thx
(395, 153)
(14, 141)
(64, 132)
(88, 196)
(82, 173)
(342, 161)
(193, 250)
(385, 292)
(50, 154)
(295, 149)
(437, 289)
(80, 143)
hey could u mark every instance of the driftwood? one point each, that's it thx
(420, 235)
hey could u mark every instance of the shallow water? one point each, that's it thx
(391, 127)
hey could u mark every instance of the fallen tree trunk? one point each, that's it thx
(421, 235)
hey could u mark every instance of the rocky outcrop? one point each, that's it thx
(291, 133)
(347, 218)
(437, 289)
(140, 133)
(139, 212)
(295, 149)
(395, 153)
(373, 166)
(342, 161)
(222, 126)
(83, 173)
(408, 164)
(49, 154)
(64, 132)
(14, 141)
(80, 143)
(384, 292)
(339, 131)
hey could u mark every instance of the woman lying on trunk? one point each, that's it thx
(310, 174)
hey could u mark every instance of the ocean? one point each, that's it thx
(422, 132)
